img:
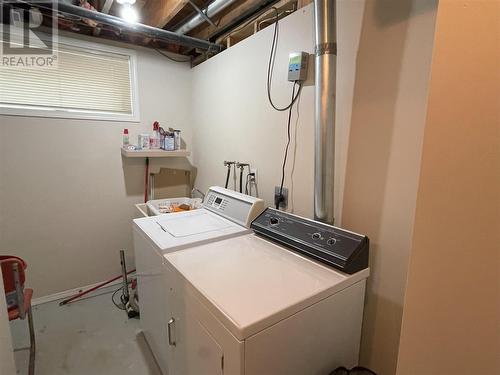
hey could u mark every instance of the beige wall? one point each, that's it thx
(66, 195)
(388, 117)
(382, 90)
(451, 321)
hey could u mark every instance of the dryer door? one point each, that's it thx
(192, 350)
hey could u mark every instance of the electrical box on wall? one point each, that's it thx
(297, 66)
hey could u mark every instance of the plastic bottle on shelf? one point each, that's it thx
(155, 137)
(177, 139)
(126, 139)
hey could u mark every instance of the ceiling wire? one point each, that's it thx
(171, 58)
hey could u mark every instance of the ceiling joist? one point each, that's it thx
(158, 13)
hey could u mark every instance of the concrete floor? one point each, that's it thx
(88, 337)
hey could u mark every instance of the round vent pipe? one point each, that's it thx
(325, 90)
(212, 9)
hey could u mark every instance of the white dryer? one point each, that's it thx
(257, 305)
(224, 214)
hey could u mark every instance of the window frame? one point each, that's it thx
(66, 113)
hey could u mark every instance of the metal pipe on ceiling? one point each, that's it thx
(325, 91)
(212, 9)
(201, 13)
(148, 31)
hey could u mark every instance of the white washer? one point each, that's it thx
(249, 305)
(224, 214)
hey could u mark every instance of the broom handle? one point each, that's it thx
(82, 293)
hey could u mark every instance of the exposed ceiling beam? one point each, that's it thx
(107, 6)
(137, 28)
(158, 13)
(226, 18)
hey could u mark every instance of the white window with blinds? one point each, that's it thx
(91, 81)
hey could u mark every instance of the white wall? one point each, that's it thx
(66, 195)
(234, 121)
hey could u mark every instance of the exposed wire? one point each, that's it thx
(280, 196)
(292, 202)
(171, 58)
(248, 22)
(123, 303)
(122, 306)
(270, 68)
(267, 20)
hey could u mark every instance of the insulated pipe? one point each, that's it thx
(212, 9)
(149, 31)
(325, 90)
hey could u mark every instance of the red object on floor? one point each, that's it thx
(84, 292)
(146, 181)
(19, 298)
(6, 262)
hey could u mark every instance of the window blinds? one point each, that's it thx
(83, 81)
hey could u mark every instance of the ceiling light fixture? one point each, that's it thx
(129, 14)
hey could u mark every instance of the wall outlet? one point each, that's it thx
(284, 202)
(254, 178)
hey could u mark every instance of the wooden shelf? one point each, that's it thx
(154, 153)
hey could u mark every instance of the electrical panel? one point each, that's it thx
(297, 66)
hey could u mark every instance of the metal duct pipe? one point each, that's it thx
(149, 31)
(325, 90)
(212, 9)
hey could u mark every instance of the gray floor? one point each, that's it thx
(88, 337)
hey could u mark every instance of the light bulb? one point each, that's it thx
(129, 14)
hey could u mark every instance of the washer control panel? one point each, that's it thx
(234, 206)
(217, 201)
(334, 246)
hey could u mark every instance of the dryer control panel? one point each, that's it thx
(340, 248)
(237, 207)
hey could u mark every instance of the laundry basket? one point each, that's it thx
(164, 206)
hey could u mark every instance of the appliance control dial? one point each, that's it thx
(274, 221)
(316, 236)
(331, 241)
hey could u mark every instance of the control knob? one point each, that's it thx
(316, 236)
(274, 221)
(331, 241)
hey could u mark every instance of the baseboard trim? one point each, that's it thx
(70, 292)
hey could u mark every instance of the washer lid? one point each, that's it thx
(170, 231)
(250, 283)
(187, 226)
